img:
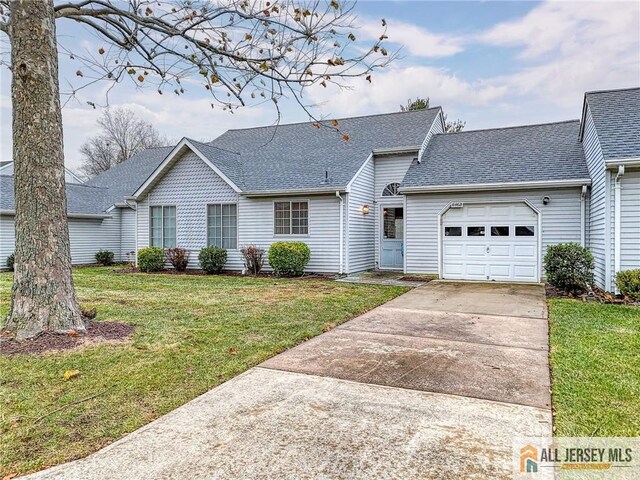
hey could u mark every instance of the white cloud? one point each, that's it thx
(416, 40)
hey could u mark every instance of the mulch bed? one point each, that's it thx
(229, 273)
(596, 295)
(97, 332)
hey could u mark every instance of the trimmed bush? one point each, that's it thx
(253, 258)
(212, 259)
(11, 261)
(151, 259)
(628, 282)
(104, 257)
(569, 267)
(288, 259)
(178, 257)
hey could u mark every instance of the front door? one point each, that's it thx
(392, 244)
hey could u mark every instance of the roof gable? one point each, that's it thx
(616, 116)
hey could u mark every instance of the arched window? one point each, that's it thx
(391, 190)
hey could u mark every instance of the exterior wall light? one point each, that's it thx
(365, 209)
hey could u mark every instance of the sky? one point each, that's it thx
(487, 63)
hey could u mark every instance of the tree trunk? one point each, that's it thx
(43, 298)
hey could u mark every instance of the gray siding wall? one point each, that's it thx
(630, 221)
(388, 169)
(600, 204)
(191, 184)
(86, 237)
(361, 228)
(560, 220)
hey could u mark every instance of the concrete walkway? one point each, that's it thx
(434, 384)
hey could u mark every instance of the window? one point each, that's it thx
(452, 231)
(499, 231)
(222, 225)
(162, 227)
(391, 190)
(525, 231)
(475, 231)
(291, 218)
(393, 225)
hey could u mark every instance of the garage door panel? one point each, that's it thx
(502, 256)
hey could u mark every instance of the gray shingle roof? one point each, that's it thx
(103, 191)
(501, 155)
(81, 199)
(296, 156)
(616, 115)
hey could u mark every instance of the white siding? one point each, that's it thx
(560, 220)
(388, 169)
(127, 233)
(256, 227)
(86, 237)
(630, 221)
(190, 185)
(599, 240)
(7, 238)
(361, 233)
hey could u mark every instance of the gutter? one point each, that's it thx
(341, 268)
(391, 151)
(616, 222)
(583, 216)
(496, 186)
(69, 215)
(621, 162)
(299, 191)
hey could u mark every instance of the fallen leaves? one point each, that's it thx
(70, 374)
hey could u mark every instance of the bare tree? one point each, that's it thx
(423, 103)
(122, 135)
(240, 50)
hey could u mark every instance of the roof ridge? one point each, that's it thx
(612, 90)
(331, 119)
(509, 128)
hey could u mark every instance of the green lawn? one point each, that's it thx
(595, 363)
(192, 333)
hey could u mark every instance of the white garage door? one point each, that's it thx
(488, 241)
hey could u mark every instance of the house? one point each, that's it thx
(400, 194)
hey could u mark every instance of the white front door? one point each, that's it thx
(392, 241)
(490, 241)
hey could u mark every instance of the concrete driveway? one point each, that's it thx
(434, 384)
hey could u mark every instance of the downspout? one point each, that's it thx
(616, 222)
(341, 232)
(583, 216)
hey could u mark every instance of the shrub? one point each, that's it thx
(178, 257)
(288, 259)
(11, 261)
(151, 259)
(104, 257)
(212, 259)
(569, 267)
(628, 282)
(253, 258)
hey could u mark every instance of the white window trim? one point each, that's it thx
(295, 235)
(163, 207)
(206, 214)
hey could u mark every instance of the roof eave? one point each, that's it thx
(396, 150)
(627, 162)
(69, 215)
(495, 186)
(294, 192)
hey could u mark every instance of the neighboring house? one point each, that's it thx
(399, 194)
(610, 135)
(6, 168)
